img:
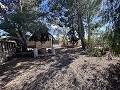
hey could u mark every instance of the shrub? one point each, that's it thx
(95, 52)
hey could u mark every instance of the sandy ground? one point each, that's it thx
(69, 69)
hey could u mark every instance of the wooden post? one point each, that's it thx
(5, 45)
(35, 51)
(52, 48)
(2, 46)
(8, 46)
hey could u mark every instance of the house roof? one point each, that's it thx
(45, 36)
(9, 38)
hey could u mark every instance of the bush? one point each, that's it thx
(95, 52)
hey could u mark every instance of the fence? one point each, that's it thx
(7, 49)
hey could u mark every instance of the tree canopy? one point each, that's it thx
(20, 17)
(83, 18)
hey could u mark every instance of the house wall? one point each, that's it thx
(30, 43)
(47, 44)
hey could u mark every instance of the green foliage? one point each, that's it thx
(38, 27)
(97, 47)
(17, 21)
(92, 41)
(114, 35)
(92, 48)
(41, 33)
(72, 36)
(68, 3)
(114, 42)
(95, 52)
(77, 12)
(23, 19)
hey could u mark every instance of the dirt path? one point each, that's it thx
(70, 69)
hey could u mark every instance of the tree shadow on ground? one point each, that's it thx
(80, 51)
(15, 67)
(63, 59)
(114, 77)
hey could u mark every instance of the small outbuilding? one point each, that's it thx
(41, 43)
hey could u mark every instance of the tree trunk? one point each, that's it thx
(24, 47)
(89, 32)
(23, 40)
(81, 31)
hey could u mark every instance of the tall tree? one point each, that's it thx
(91, 11)
(76, 11)
(58, 10)
(19, 16)
(113, 17)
